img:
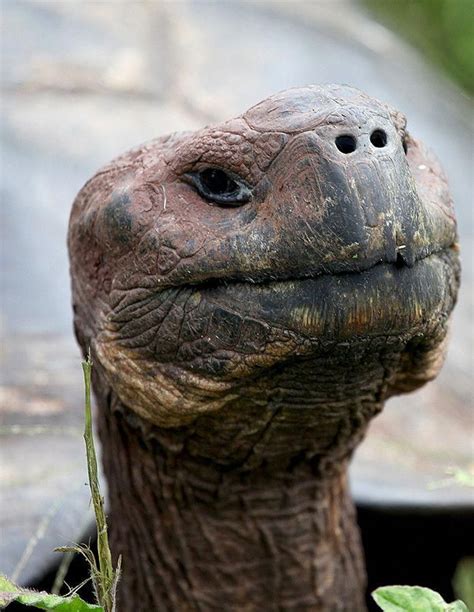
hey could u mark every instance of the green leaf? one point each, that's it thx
(10, 592)
(414, 599)
(463, 581)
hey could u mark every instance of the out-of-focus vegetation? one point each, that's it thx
(102, 573)
(442, 29)
(463, 581)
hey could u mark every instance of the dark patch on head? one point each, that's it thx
(118, 218)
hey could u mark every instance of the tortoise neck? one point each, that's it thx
(207, 537)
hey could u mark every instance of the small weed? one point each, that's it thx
(103, 575)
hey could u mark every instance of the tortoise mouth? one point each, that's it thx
(386, 299)
(296, 269)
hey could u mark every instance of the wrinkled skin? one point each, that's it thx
(241, 348)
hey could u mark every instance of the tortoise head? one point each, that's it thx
(310, 226)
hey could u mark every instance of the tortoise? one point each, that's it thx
(406, 503)
(252, 293)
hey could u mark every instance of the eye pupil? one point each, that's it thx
(220, 187)
(217, 181)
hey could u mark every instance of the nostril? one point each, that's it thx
(346, 143)
(378, 138)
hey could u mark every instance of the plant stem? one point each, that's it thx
(106, 575)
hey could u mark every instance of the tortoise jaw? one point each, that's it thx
(387, 299)
(209, 340)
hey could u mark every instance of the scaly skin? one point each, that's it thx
(242, 347)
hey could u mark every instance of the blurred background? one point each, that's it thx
(83, 81)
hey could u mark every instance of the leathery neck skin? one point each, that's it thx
(249, 506)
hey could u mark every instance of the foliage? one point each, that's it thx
(10, 592)
(414, 599)
(103, 575)
(463, 581)
(457, 476)
(442, 29)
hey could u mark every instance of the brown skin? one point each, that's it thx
(246, 327)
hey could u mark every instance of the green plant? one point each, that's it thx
(442, 29)
(414, 599)
(463, 581)
(10, 592)
(103, 575)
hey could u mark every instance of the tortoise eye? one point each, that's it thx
(217, 181)
(220, 187)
